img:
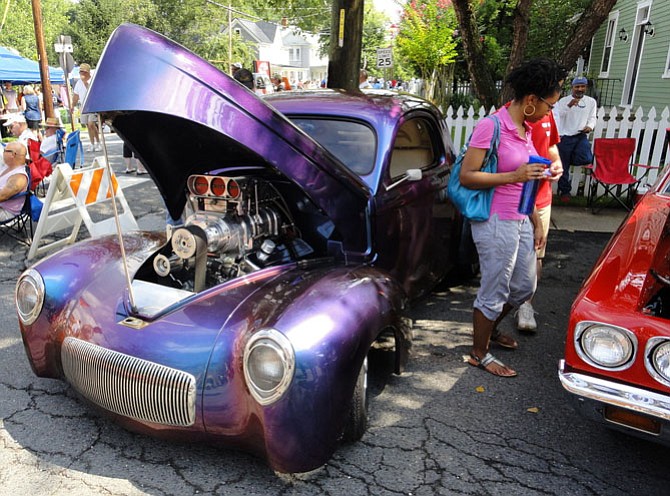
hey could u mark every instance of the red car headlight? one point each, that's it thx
(604, 345)
(657, 361)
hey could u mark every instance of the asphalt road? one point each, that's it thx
(442, 428)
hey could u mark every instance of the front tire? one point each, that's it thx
(357, 419)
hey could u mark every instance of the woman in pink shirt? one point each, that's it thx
(506, 242)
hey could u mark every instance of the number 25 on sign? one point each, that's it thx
(384, 57)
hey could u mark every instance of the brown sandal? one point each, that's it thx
(504, 341)
(487, 361)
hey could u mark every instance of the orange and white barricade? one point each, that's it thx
(70, 196)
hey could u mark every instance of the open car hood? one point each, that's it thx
(183, 116)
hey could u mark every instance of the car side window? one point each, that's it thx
(413, 147)
(353, 143)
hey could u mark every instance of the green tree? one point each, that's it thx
(549, 19)
(18, 31)
(93, 21)
(374, 37)
(426, 42)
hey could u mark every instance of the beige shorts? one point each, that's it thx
(545, 219)
(86, 118)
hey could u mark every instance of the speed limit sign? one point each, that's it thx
(384, 57)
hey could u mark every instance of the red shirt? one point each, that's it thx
(544, 135)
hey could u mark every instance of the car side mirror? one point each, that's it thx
(410, 175)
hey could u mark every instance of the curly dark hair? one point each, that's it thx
(539, 76)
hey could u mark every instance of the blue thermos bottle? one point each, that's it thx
(529, 191)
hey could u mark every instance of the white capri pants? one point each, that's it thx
(507, 262)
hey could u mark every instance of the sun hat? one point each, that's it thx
(52, 122)
(12, 118)
(579, 80)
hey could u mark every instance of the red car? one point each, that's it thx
(617, 354)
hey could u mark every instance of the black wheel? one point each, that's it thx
(357, 419)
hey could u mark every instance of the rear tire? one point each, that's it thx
(357, 419)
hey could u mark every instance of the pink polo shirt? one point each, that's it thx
(513, 151)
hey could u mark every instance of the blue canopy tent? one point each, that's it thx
(19, 70)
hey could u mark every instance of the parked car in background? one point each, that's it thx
(617, 353)
(309, 224)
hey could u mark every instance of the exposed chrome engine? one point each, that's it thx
(237, 226)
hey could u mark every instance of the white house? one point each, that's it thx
(291, 52)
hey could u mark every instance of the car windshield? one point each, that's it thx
(353, 143)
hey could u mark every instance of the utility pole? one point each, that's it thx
(230, 40)
(42, 58)
(346, 29)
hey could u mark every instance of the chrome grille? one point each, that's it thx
(129, 386)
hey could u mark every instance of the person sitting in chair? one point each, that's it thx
(13, 180)
(50, 146)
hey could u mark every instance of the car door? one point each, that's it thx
(414, 224)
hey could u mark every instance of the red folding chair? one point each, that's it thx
(40, 167)
(612, 173)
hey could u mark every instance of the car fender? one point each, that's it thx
(71, 282)
(331, 316)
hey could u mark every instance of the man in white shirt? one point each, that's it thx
(88, 120)
(576, 115)
(19, 128)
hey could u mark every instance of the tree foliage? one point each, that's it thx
(18, 31)
(426, 42)
(93, 21)
(561, 30)
(374, 37)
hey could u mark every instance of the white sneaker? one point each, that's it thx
(525, 318)
(89, 148)
(98, 147)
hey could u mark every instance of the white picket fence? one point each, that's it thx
(649, 131)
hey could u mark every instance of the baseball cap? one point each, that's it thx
(238, 65)
(84, 67)
(579, 80)
(12, 118)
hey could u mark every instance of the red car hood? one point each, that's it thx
(621, 274)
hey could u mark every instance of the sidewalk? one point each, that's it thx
(574, 219)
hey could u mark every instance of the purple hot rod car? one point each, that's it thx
(309, 221)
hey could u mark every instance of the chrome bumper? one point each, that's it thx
(614, 393)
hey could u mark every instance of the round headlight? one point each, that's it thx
(269, 362)
(607, 346)
(658, 359)
(29, 296)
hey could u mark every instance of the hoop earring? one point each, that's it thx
(528, 114)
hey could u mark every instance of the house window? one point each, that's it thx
(609, 44)
(293, 55)
(237, 31)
